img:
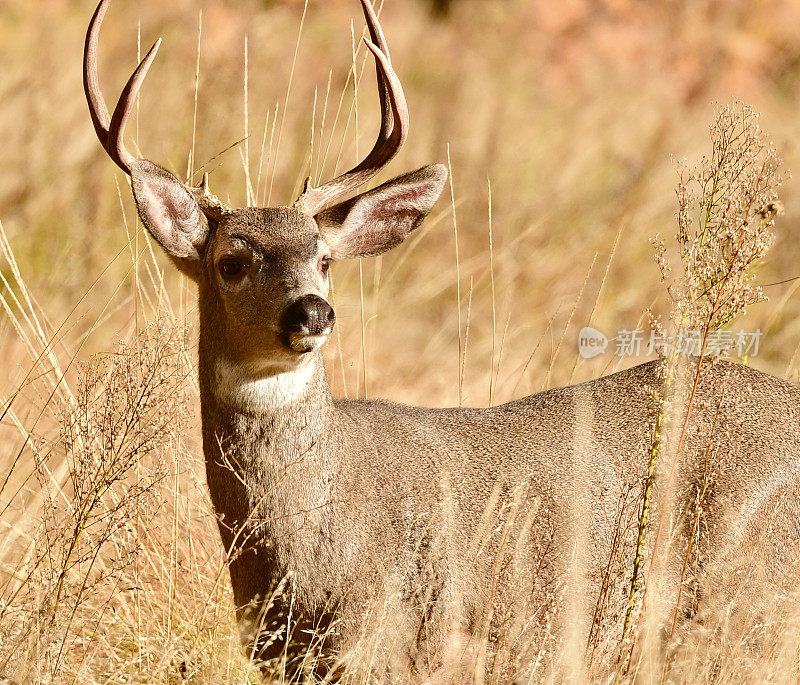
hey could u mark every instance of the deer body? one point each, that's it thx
(434, 528)
(355, 494)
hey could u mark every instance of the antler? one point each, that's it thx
(393, 133)
(111, 131)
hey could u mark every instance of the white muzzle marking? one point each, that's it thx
(305, 342)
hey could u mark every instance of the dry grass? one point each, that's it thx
(110, 564)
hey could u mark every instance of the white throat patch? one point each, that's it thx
(237, 387)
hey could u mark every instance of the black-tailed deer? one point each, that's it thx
(444, 528)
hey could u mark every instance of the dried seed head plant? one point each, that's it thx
(727, 205)
(128, 409)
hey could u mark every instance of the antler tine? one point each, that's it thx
(115, 144)
(375, 29)
(393, 133)
(91, 85)
(111, 130)
(379, 39)
(395, 120)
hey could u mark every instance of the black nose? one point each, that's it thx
(310, 315)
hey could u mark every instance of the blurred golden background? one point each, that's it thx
(559, 121)
(570, 110)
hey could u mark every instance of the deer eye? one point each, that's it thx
(324, 265)
(231, 268)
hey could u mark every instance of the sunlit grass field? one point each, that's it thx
(560, 123)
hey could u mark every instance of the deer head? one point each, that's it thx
(263, 272)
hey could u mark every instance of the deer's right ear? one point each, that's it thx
(380, 219)
(170, 213)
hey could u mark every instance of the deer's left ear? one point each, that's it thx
(382, 218)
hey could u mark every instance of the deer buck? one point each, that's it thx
(507, 525)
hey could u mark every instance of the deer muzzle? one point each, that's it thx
(306, 323)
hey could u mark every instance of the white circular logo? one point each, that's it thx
(591, 342)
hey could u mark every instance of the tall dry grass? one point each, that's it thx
(110, 565)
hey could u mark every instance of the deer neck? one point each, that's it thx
(269, 443)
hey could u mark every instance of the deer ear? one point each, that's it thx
(382, 218)
(170, 213)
